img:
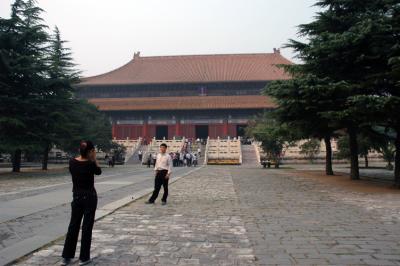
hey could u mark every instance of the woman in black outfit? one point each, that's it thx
(84, 203)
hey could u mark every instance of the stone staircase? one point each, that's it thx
(249, 156)
(154, 147)
(134, 159)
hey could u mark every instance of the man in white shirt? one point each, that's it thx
(140, 155)
(163, 168)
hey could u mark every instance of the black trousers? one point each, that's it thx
(83, 206)
(159, 181)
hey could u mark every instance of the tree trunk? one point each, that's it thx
(397, 161)
(45, 157)
(354, 168)
(16, 160)
(366, 161)
(328, 157)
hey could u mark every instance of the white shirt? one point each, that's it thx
(163, 162)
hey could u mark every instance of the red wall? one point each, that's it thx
(216, 130)
(188, 130)
(232, 130)
(127, 131)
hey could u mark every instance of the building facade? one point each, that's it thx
(195, 96)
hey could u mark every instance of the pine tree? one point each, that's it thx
(60, 78)
(301, 101)
(22, 59)
(347, 45)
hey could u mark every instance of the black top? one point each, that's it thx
(83, 174)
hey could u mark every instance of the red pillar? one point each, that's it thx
(178, 128)
(225, 128)
(145, 130)
(113, 131)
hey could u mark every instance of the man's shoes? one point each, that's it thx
(85, 262)
(66, 261)
(149, 202)
(163, 203)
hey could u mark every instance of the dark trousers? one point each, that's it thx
(159, 181)
(83, 206)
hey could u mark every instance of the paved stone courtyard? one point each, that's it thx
(248, 216)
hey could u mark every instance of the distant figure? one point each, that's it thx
(113, 161)
(140, 155)
(149, 161)
(163, 170)
(84, 203)
(154, 159)
(174, 159)
(194, 160)
(181, 159)
(188, 159)
(199, 152)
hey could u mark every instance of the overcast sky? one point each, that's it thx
(104, 34)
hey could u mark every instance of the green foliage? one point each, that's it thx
(274, 136)
(375, 139)
(22, 50)
(118, 151)
(38, 108)
(310, 149)
(85, 122)
(349, 76)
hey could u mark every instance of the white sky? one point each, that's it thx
(103, 35)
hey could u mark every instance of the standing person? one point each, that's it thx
(154, 158)
(188, 159)
(163, 170)
(109, 161)
(149, 160)
(181, 158)
(174, 159)
(113, 160)
(199, 152)
(140, 155)
(84, 203)
(184, 161)
(194, 159)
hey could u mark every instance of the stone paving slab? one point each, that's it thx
(23, 235)
(197, 227)
(244, 216)
(291, 219)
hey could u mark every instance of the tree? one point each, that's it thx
(38, 108)
(310, 148)
(382, 57)
(347, 43)
(22, 50)
(85, 122)
(301, 102)
(364, 143)
(55, 107)
(273, 135)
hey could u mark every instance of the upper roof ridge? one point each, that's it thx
(195, 68)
